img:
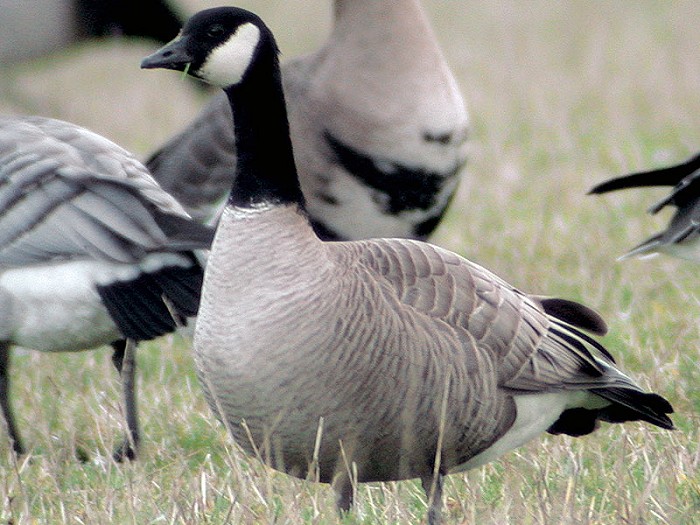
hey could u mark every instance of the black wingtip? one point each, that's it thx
(574, 314)
(603, 187)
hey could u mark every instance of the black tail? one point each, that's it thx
(632, 405)
(662, 177)
(155, 303)
(627, 405)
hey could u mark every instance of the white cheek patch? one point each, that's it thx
(228, 62)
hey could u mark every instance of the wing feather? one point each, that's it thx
(66, 192)
(537, 350)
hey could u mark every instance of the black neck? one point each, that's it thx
(265, 169)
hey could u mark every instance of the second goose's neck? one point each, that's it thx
(265, 170)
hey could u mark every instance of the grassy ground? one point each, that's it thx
(563, 95)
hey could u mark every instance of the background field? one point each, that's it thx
(562, 95)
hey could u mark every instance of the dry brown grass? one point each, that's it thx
(563, 95)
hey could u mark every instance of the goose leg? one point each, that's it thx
(5, 398)
(118, 354)
(343, 496)
(125, 363)
(433, 490)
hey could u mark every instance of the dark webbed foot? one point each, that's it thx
(124, 452)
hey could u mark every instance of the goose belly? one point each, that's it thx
(258, 379)
(56, 307)
(295, 400)
(297, 355)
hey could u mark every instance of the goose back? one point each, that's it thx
(92, 252)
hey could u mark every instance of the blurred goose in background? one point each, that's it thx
(92, 252)
(371, 360)
(378, 126)
(34, 28)
(682, 236)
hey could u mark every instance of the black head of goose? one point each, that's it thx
(92, 252)
(369, 360)
(377, 121)
(682, 236)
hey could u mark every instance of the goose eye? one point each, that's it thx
(215, 31)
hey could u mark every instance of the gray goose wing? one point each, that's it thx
(536, 351)
(502, 320)
(66, 192)
(197, 165)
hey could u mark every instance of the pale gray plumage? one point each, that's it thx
(369, 334)
(377, 121)
(371, 360)
(92, 250)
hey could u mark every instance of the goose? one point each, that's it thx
(92, 252)
(32, 29)
(681, 238)
(370, 360)
(378, 125)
